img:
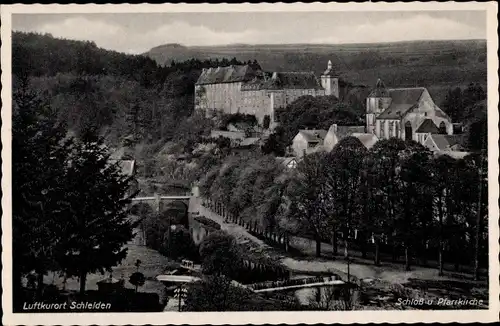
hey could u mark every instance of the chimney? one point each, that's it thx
(329, 64)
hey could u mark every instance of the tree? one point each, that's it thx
(220, 254)
(39, 152)
(310, 199)
(98, 225)
(443, 205)
(382, 189)
(343, 175)
(216, 293)
(415, 218)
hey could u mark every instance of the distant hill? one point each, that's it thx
(433, 64)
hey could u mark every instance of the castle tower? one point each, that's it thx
(376, 103)
(330, 81)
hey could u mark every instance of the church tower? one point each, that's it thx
(330, 81)
(376, 103)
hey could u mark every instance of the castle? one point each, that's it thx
(246, 90)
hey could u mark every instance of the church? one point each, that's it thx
(406, 113)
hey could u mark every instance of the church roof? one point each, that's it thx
(230, 74)
(428, 126)
(380, 90)
(314, 135)
(403, 100)
(292, 80)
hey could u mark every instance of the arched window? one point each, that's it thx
(442, 128)
(408, 131)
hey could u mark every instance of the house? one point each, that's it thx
(368, 140)
(444, 143)
(399, 112)
(232, 135)
(308, 141)
(289, 162)
(336, 133)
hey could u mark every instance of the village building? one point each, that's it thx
(246, 90)
(308, 141)
(288, 162)
(336, 133)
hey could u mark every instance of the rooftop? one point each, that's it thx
(367, 139)
(313, 135)
(403, 100)
(444, 142)
(428, 126)
(230, 74)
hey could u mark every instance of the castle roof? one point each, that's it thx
(230, 74)
(428, 126)
(402, 100)
(313, 135)
(292, 80)
(329, 71)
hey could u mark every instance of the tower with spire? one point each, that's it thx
(330, 81)
(376, 103)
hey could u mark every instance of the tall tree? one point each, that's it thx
(415, 218)
(310, 199)
(343, 175)
(98, 224)
(39, 153)
(383, 189)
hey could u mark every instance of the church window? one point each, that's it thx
(391, 126)
(408, 131)
(442, 128)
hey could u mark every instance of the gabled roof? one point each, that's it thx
(313, 136)
(230, 74)
(292, 80)
(344, 131)
(428, 126)
(249, 142)
(444, 142)
(285, 160)
(403, 100)
(367, 139)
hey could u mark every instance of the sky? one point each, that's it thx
(139, 32)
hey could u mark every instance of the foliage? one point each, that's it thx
(219, 253)
(310, 199)
(69, 201)
(98, 225)
(39, 153)
(137, 279)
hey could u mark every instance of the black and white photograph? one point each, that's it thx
(293, 162)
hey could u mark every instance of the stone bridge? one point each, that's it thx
(179, 209)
